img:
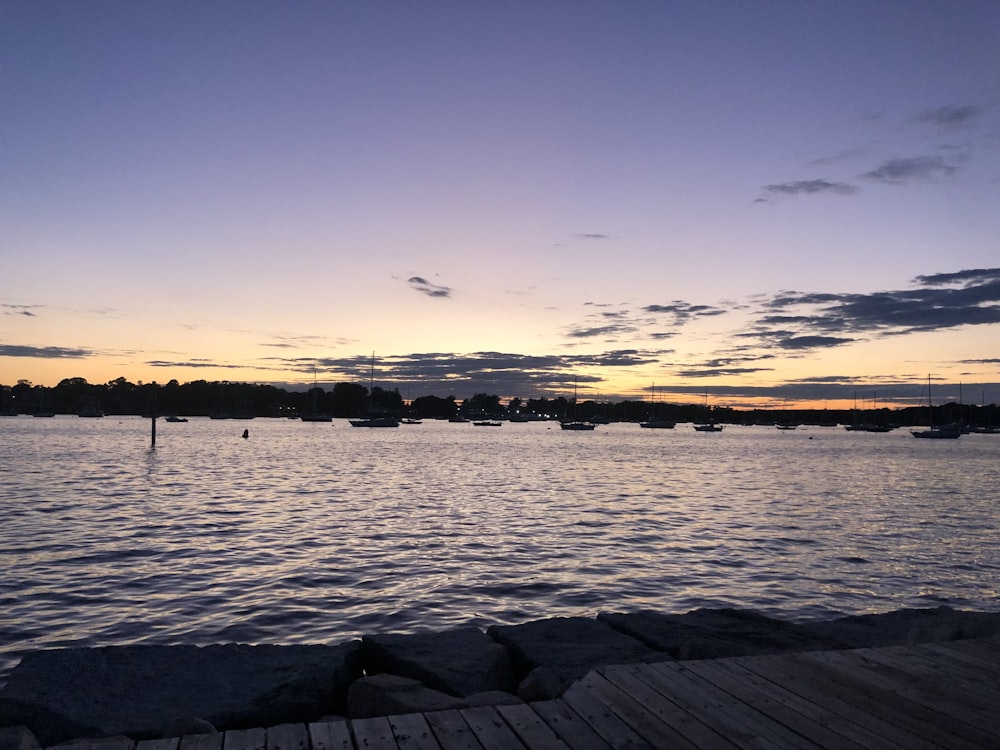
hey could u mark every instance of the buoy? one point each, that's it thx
(246, 434)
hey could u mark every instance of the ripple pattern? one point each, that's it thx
(312, 533)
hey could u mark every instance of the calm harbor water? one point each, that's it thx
(315, 533)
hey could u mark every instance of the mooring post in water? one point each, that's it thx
(152, 421)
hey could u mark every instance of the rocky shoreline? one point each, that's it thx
(147, 692)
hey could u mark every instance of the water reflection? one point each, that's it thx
(313, 533)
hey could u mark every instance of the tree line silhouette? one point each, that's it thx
(248, 400)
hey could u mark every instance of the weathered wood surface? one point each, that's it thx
(930, 696)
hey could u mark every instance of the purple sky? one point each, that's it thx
(762, 201)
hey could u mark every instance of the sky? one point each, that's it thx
(758, 203)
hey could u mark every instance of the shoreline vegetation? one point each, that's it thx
(230, 400)
(149, 692)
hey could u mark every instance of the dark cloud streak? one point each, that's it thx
(43, 352)
(912, 169)
(423, 286)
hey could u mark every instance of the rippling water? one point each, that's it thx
(309, 533)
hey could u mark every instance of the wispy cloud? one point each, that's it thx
(196, 363)
(812, 342)
(682, 312)
(25, 310)
(912, 169)
(43, 352)
(951, 116)
(614, 329)
(809, 187)
(592, 236)
(423, 286)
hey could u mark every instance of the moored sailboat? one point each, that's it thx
(575, 424)
(372, 420)
(935, 433)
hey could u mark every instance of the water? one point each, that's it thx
(316, 533)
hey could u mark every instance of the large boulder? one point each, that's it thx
(569, 646)
(18, 738)
(387, 694)
(461, 662)
(717, 633)
(909, 626)
(138, 690)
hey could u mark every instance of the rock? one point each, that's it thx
(542, 684)
(460, 662)
(18, 738)
(388, 694)
(909, 626)
(63, 694)
(569, 646)
(717, 633)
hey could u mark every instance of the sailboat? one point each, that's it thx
(315, 415)
(935, 433)
(371, 420)
(575, 424)
(653, 422)
(711, 425)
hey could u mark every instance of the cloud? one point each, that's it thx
(812, 342)
(578, 332)
(793, 320)
(973, 277)
(810, 187)
(592, 236)
(423, 286)
(683, 312)
(197, 363)
(43, 352)
(913, 169)
(845, 155)
(952, 116)
(25, 310)
(465, 374)
(695, 372)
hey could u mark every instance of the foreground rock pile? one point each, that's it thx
(160, 691)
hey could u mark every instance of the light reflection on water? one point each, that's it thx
(318, 533)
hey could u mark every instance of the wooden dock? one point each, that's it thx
(928, 696)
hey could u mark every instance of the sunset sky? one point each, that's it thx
(768, 202)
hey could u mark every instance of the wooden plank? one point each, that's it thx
(116, 743)
(373, 734)
(879, 714)
(626, 677)
(168, 743)
(651, 727)
(817, 711)
(949, 717)
(490, 728)
(330, 735)
(992, 642)
(245, 739)
(957, 664)
(741, 724)
(794, 713)
(412, 732)
(533, 732)
(451, 730)
(972, 658)
(968, 683)
(603, 720)
(203, 741)
(568, 725)
(288, 737)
